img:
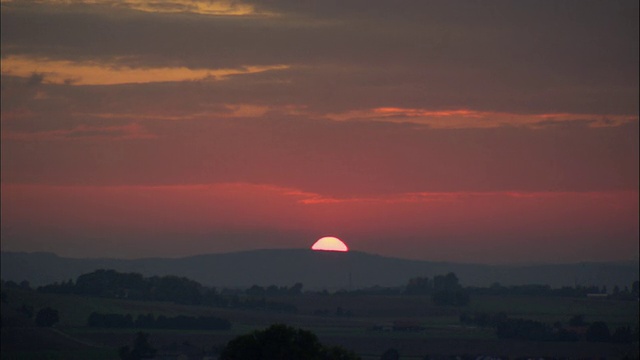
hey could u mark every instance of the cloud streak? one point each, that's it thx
(92, 73)
(459, 119)
(200, 7)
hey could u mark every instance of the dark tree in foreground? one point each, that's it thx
(282, 342)
(390, 354)
(141, 349)
(47, 317)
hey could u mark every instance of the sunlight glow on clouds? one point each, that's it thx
(202, 7)
(464, 118)
(94, 73)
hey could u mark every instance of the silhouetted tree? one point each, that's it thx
(457, 297)
(141, 349)
(272, 290)
(390, 354)
(338, 353)
(444, 289)
(177, 289)
(446, 282)
(255, 291)
(281, 342)
(447, 291)
(47, 317)
(296, 289)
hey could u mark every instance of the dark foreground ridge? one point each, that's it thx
(317, 270)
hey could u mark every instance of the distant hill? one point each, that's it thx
(316, 270)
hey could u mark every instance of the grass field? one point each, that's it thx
(442, 334)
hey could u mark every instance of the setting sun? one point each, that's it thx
(330, 243)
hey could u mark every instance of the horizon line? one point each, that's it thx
(523, 264)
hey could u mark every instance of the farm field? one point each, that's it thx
(358, 322)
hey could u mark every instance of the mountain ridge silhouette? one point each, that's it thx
(315, 269)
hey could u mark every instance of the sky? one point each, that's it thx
(467, 131)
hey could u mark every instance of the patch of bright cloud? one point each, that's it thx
(201, 7)
(95, 73)
(253, 110)
(465, 118)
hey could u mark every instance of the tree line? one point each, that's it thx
(566, 291)
(133, 286)
(444, 289)
(526, 329)
(179, 290)
(150, 321)
(273, 290)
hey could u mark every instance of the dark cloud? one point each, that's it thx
(35, 79)
(530, 56)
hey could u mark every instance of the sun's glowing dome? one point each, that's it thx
(329, 243)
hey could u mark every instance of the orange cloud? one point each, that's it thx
(99, 73)
(201, 7)
(465, 118)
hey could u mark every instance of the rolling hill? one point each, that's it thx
(316, 270)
